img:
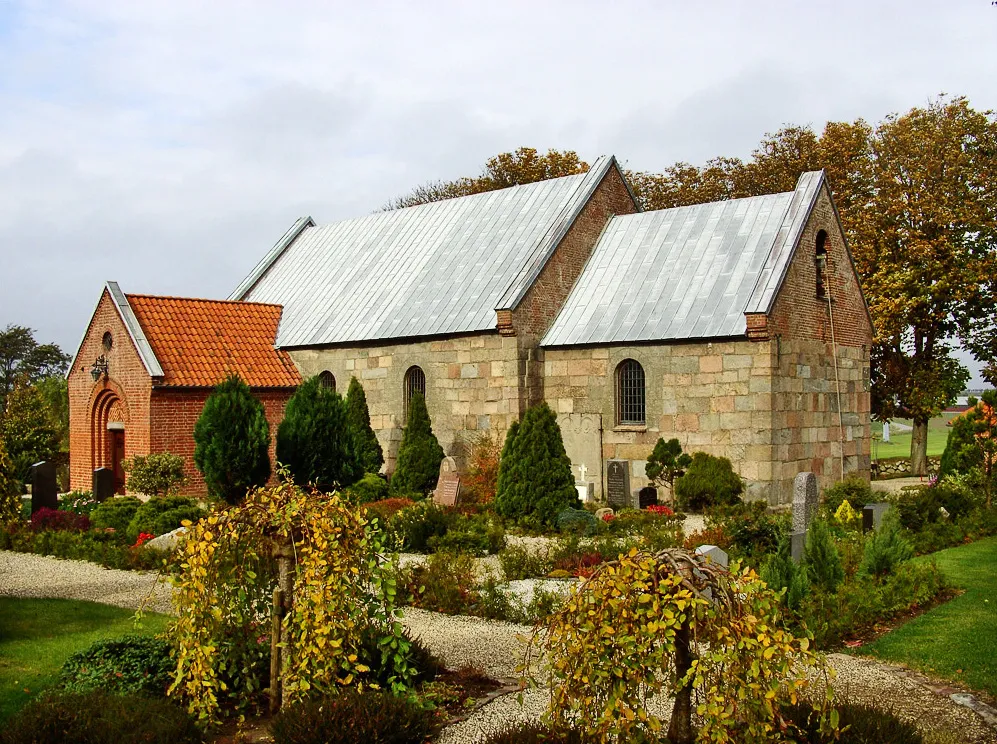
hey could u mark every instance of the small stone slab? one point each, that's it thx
(167, 543)
(713, 554)
(103, 484)
(804, 500)
(600, 513)
(872, 515)
(647, 496)
(797, 545)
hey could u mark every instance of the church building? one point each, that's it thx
(738, 327)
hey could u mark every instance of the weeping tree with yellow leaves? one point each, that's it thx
(672, 624)
(298, 574)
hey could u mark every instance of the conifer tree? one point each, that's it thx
(314, 440)
(822, 559)
(535, 472)
(780, 571)
(232, 441)
(420, 454)
(365, 444)
(505, 457)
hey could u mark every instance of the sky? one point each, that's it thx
(168, 145)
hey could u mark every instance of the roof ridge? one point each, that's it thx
(202, 299)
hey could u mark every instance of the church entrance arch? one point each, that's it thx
(107, 435)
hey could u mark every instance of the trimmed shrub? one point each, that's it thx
(885, 548)
(419, 454)
(161, 515)
(367, 449)
(369, 489)
(232, 442)
(708, 481)
(107, 549)
(578, 521)
(385, 509)
(854, 489)
(54, 519)
(116, 513)
(371, 717)
(535, 481)
(519, 562)
(536, 733)
(417, 525)
(781, 572)
(314, 441)
(476, 535)
(822, 560)
(155, 474)
(132, 664)
(99, 718)
(859, 724)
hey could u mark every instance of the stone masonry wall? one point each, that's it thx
(125, 391)
(473, 385)
(175, 411)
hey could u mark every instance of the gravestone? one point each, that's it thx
(618, 483)
(103, 484)
(585, 487)
(44, 490)
(647, 496)
(797, 545)
(448, 486)
(804, 501)
(713, 554)
(582, 436)
(872, 515)
(602, 513)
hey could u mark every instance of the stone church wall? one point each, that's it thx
(474, 384)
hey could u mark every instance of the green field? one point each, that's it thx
(956, 640)
(899, 445)
(38, 635)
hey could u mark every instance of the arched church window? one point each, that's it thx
(327, 380)
(630, 394)
(415, 382)
(820, 265)
(107, 341)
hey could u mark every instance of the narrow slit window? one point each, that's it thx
(327, 380)
(415, 382)
(630, 394)
(820, 265)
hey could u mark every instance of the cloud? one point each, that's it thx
(169, 145)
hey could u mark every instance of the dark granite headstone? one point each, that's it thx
(647, 496)
(618, 483)
(103, 484)
(872, 515)
(44, 490)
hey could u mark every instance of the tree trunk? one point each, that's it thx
(919, 447)
(680, 729)
(285, 588)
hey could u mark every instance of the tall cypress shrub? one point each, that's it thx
(232, 441)
(821, 558)
(365, 444)
(535, 472)
(314, 440)
(506, 457)
(420, 454)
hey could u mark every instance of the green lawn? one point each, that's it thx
(899, 444)
(38, 635)
(956, 640)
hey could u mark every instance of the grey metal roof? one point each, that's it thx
(433, 269)
(684, 273)
(142, 345)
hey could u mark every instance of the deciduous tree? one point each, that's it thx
(23, 358)
(28, 434)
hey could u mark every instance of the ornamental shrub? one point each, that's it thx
(578, 521)
(781, 572)
(372, 487)
(666, 463)
(537, 733)
(132, 664)
(161, 515)
(314, 441)
(854, 489)
(79, 502)
(477, 534)
(859, 724)
(885, 548)
(99, 718)
(115, 513)
(155, 474)
(416, 526)
(535, 478)
(371, 716)
(232, 442)
(479, 484)
(708, 481)
(419, 454)
(821, 558)
(54, 519)
(365, 445)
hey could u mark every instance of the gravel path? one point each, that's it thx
(495, 647)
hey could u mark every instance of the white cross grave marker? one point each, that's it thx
(582, 470)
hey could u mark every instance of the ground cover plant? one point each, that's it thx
(958, 639)
(40, 635)
(132, 664)
(107, 548)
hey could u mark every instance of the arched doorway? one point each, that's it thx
(107, 436)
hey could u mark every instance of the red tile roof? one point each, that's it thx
(200, 342)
